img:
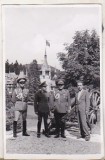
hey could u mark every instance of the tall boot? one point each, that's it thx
(63, 135)
(57, 132)
(24, 129)
(63, 130)
(57, 121)
(14, 128)
(46, 128)
(38, 128)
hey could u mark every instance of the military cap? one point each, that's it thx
(43, 84)
(61, 82)
(21, 78)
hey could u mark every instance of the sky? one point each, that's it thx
(27, 27)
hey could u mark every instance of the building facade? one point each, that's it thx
(45, 74)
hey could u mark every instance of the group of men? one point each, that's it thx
(59, 102)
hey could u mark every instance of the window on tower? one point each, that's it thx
(47, 73)
(40, 72)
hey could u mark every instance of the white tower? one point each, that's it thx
(45, 73)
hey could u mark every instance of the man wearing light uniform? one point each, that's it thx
(20, 100)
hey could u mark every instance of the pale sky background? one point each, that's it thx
(27, 27)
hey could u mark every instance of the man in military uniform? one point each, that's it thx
(62, 105)
(20, 100)
(41, 107)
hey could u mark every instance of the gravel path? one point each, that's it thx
(33, 145)
(44, 145)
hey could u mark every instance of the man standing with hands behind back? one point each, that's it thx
(82, 107)
(41, 107)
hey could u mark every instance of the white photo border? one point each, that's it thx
(2, 82)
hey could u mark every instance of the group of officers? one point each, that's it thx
(58, 102)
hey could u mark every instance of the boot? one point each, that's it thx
(63, 136)
(14, 128)
(63, 131)
(57, 136)
(38, 129)
(47, 132)
(24, 129)
(47, 135)
(57, 132)
(38, 135)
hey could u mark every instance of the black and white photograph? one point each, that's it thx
(53, 81)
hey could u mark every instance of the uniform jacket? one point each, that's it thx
(83, 104)
(62, 101)
(20, 95)
(41, 101)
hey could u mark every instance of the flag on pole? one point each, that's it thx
(47, 43)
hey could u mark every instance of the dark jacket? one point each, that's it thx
(41, 102)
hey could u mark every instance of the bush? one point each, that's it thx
(10, 114)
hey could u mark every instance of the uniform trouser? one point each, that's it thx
(45, 118)
(84, 130)
(59, 123)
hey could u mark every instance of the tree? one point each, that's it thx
(82, 60)
(16, 68)
(21, 67)
(7, 66)
(11, 67)
(34, 80)
(24, 69)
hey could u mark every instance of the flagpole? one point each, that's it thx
(45, 56)
(45, 49)
(46, 44)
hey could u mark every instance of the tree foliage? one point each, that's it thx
(14, 67)
(11, 67)
(10, 113)
(82, 60)
(34, 79)
(7, 66)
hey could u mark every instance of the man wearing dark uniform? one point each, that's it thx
(62, 105)
(41, 107)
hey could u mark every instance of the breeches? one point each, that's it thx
(59, 122)
(45, 118)
(18, 113)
